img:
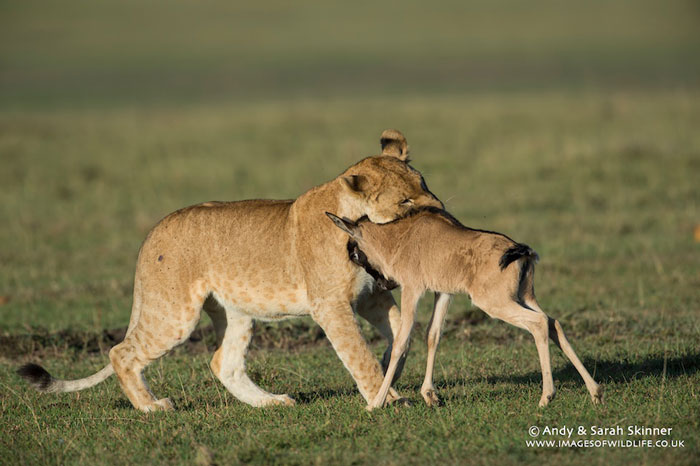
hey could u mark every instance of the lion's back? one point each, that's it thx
(220, 236)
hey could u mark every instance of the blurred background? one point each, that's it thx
(129, 53)
(572, 126)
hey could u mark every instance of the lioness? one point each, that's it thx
(267, 260)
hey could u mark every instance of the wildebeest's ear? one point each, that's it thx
(355, 183)
(394, 144)
(346, 225)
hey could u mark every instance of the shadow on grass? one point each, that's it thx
(291, 336)
(603, 371)
(323, 394)
(303, 398)
(616, 371)
(123, 403)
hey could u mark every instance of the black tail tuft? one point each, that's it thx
(516, 252)
(36, 376)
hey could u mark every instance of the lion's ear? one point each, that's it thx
(394, 144)
(355, 183)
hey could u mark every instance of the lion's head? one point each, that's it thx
(386, 187)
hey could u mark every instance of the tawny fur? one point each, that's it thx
(260, 259)
(430, 250)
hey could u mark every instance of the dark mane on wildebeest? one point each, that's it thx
(358, 257)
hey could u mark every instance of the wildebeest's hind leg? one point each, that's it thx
(556, 333)
(537, 323)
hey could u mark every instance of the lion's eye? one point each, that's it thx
(406, 202)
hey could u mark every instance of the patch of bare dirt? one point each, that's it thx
(42, 342)
(294, 335)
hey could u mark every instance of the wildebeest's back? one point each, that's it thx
(452, 256)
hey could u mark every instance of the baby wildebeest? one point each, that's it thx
(431, 250)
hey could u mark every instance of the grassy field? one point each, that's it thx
(570, 128)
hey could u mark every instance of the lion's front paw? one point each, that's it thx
(281, 400)
(164, 404)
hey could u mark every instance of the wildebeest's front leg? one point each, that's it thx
(442, 302)
(409, 302)
(379, 309)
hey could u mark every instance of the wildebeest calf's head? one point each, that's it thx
(359, 258)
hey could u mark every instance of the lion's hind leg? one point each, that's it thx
(228, 363)
(129, 361)
(161, 326)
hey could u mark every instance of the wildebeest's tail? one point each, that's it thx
(41, 380)
(515, 252)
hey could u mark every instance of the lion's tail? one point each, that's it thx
(41, 380)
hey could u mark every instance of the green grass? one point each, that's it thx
(491, 390)
(571, 128)
(604, 193)
(598, 184)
